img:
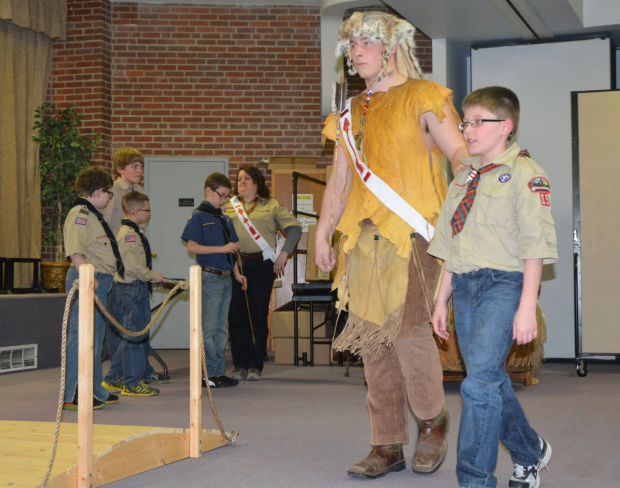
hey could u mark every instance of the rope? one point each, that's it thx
(180, 284)
(63, 366)
(247, 302)
(422, 279)
(233, 435)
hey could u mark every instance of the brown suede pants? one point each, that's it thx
(410, 369)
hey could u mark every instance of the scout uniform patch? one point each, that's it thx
(540, 185)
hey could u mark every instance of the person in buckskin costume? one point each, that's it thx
(390, 142)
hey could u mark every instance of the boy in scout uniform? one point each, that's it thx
(211, 236)
(129, 299)
(88, 239)
(494, 233)
(129, 171)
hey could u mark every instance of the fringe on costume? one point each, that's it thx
(362, 338)
(381, 284)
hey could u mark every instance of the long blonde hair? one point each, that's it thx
(391, 31)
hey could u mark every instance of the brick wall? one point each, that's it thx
(196, 80)
(217, 81)
(81, 69)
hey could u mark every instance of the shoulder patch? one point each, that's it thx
(81, 221)
(539, 183)
(130, 238)
(524, 153)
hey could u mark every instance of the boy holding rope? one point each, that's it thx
(130, 298)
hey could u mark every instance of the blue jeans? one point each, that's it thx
(216, 291)
(130, 306)
(485, 302)
(71, 375)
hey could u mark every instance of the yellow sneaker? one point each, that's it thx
(141, 389)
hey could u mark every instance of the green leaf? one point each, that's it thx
(63, 152)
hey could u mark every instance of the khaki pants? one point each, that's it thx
(410, 369)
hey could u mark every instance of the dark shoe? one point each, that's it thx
(223, 381)
(73, 405)
(432, 443)
(111, 399)
(156, 379)
(380, 461)
(211, 384)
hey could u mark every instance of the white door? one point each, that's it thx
(175, 187)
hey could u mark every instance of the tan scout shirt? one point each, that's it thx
(267, 216)
(134, 257)
(510, 220)
(84, 234)
(113, 212)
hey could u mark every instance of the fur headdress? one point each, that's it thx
(391, 31)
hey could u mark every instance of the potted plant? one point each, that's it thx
(63, 152)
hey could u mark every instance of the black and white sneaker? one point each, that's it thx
(527, 476)
(223, 381)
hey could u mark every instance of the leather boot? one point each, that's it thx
(380, 461)
(432, 443)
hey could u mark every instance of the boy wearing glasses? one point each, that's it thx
(210, 235)
(89, 239)
(129, 166)
(494, 233)
(130, 299)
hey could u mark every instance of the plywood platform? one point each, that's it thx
(119, 451)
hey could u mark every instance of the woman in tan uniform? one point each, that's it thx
(257, 219)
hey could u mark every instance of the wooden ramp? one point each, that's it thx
(90, 455)
(119, 451)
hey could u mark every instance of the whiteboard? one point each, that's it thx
(543, 76)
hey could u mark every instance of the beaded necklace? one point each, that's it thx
(359, 137)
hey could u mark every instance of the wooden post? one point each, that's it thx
(85, 376)
(195, 360)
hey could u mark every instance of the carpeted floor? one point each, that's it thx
(303, 427)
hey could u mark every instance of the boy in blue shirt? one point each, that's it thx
(210, 235)
(494, 233)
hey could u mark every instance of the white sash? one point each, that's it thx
(268, 252)
(380, 188)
